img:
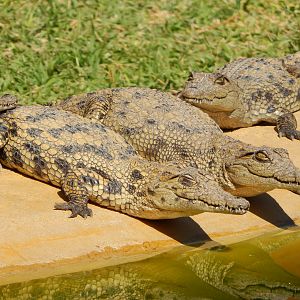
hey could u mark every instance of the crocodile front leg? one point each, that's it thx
(76, 190)
(287, 126)
(94, 105)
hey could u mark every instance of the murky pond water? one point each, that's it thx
(267, 267)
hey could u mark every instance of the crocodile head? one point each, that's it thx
(255, 170)
(292, 64)
(8, 101)
(211, 91)
(178, 192)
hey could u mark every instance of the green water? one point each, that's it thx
(267, 267)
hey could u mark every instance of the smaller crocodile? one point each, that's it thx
(57, 147)
(248, 91)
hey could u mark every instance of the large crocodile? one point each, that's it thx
(57, 147)
(247, 91)
(163, 128)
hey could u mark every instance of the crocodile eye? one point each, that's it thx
(261, 156)
(221, 79)
(187, 180)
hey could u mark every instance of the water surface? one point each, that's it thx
(267, 267)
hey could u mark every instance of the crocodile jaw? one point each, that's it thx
(201, 90)
(174, 203)
(7, 102)
(258, 184)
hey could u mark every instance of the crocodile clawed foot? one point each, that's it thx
(290, 134)
(76, 209)
(287, 126)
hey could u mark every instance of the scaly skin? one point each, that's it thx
(57, 147)
(163, 128)
(247, 91)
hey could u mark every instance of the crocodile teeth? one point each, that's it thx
(198, 100)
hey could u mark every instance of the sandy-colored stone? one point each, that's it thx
(37, 241)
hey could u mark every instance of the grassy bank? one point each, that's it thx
(51, 49)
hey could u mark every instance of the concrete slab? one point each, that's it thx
(36, 241)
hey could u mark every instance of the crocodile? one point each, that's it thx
(57, 147)
(161, 127)
(248, 91)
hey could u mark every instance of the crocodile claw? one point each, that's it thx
(76, 209)
(290, 134)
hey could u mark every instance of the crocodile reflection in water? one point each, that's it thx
(247, 270)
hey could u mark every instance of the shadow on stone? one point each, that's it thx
(184, 230)
(266, 207)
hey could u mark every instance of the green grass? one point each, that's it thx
(52, 49)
